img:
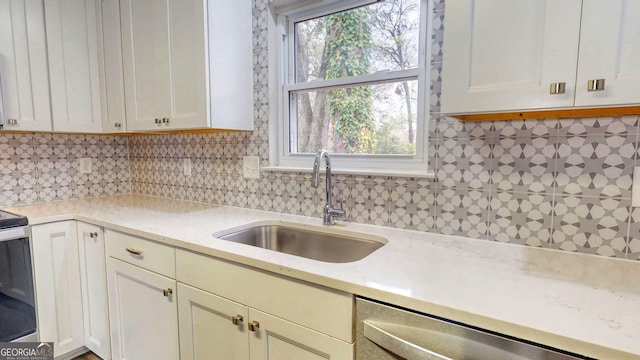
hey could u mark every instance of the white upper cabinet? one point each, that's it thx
(187, 64)
(111, 74)
(609, 51)
(23, 66)
(511, 55)
(505, 54)
(72, 39)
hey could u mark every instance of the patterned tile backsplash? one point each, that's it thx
(560, 184)
(44, 167)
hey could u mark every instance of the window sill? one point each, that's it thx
(420, 174)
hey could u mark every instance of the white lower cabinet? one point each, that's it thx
(212, 327)
(57, 278)
(71, 288)
(275, 318)
(142, 303)
(93, 277)
(277, 339)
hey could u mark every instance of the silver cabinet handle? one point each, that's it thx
(12, 122)
(134, 251)
(166, 292)
(254, 325)
(557, 88)
(595, 85)
(237, 319)
(397, 345)
(93, 235)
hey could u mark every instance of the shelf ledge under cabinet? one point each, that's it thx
(550, 113)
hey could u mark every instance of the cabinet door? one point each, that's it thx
(72, 39)
(503, 55)
(206, 327)
(278, 339)
(93, 275)
(111, 74)
(24, 76)
(609, 50)
(57, 278)
(164, 63)
(144, 322)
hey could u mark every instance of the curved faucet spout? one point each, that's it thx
(329, 212)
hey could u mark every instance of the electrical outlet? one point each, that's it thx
(85, 165)
(251, 167)
(186, 167)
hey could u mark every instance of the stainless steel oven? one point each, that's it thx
(17, 299)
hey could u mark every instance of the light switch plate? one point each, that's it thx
(251, 167)
(186, 166)
(85, 165)
(635, 189)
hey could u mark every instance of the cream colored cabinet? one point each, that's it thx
(504, 55)
(187, 64)
(250, 303)
(501, 55)
(72, 43)
(58, 290)
(211, 327)
(609, 53)
(111, 74)
(142, 298)
(93, 277)
(275, 339)
(215, 327)
(24, 76)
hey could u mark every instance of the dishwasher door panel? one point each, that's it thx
(385, 332)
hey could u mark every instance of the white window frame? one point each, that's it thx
(282, 159)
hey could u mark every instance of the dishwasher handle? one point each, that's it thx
(374, 331)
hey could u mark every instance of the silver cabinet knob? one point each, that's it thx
(237, 319)
(557, 88)
(93, 235)
(595, 85)
(157, 121)
(166, 292)
(165, 120)
(254, 325)
(12, 122)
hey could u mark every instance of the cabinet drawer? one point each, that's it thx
(319, 308)
(141, 252)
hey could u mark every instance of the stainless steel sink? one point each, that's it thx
(307, 241)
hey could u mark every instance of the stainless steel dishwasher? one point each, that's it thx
(385, 332)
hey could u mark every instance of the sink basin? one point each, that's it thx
(306, 241)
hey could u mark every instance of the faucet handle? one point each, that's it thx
(340, 200)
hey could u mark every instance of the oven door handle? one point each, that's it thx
(13, 233)
(376, 332)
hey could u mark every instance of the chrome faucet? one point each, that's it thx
(329, 213)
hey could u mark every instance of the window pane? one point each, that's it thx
(379, 37)
(375, 119)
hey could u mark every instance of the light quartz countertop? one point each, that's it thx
(581, 303)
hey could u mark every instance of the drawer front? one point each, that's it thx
(145, 253)
(316, 307)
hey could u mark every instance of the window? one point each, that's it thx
(355, 83)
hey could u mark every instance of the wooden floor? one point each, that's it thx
(87, 356)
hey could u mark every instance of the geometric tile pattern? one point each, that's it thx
(561, 184)
(44, 167)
